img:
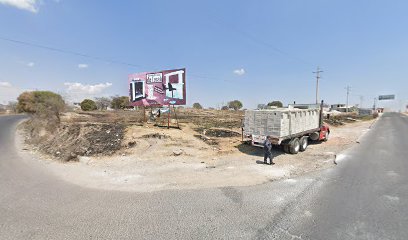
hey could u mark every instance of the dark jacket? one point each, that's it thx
(267, 145)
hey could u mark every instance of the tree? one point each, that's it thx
(278, 104)
(12, 106)
(224, 108)
(88, 105)
(236, 104)
(119, 102)
(26, 102)
(45, 104)
(102, 102)
(197, 106)
(261, 106)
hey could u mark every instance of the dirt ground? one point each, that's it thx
(197, 156)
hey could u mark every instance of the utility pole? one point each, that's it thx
(317, 84)
(375, 100)
(348, 88)
(361, 101)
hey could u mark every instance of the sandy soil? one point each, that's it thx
(158, 159)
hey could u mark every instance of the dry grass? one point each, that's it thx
(102, 132)
(343, 119)
(203, 119)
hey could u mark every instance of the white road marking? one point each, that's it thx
(308, 213)
(340, 157)
(291, 181)
(392, 174)
(392, 198)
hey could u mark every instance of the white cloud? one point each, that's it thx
(30, 64)
(239, 72)
(8, 92)
(80, 88)
(82, 65)
(29, 5)
(5, 84)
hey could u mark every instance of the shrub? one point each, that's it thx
(88, 105)
(236, 104)
(278, 104)
(197, 106)
(119, 102)
(44, 104)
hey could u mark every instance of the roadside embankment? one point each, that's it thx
(137, 157)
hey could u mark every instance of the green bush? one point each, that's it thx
(197, 106)
(119, 102)
(88, 105)
(236, 105)
(278, 104)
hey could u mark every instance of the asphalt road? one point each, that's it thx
(363, 197)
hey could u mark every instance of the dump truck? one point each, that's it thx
(292, 128)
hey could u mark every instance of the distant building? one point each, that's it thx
(335, 107)
(76, 105)
(304, 106)
(380, 110)
(346, 109)
(365, 111)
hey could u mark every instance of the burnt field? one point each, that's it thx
(105, 133)
(204, 119)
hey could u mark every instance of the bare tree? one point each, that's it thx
(12, 106)
(102, 102)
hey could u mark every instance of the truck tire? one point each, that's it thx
(286, 148)
(294, 146)
(304, 142)
(315, 136)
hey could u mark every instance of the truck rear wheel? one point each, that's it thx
(304, 142)
(294, 146)
(286, 148)
(315, 136)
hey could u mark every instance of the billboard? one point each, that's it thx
(158, 88)
(386, 97)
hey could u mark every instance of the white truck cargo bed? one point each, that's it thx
(280, 123)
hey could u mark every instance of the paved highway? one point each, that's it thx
(366, 197)
(363, 197)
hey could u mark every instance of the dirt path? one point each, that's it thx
(169, 159)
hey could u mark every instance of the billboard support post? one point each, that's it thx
(168, 117)
(175, 115)
(144, 114)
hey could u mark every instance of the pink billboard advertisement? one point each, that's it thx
(158, 88)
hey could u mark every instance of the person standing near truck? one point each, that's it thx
(268, 150)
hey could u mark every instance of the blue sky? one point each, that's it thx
(253, 51)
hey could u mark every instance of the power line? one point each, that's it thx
(60, 50)
(102, 59)
(257, 40)
(64, 51)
